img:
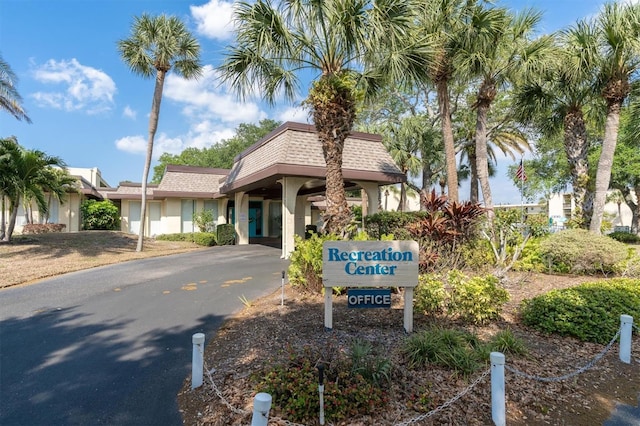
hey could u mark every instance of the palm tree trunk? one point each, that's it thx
(153, 127)
(603, 175)
(427, 177)
(447, 136)
(337, 215)
(485, 94)
(473, 188)
(3, 226)
(12, 219)
(576, 146)
(403, 198)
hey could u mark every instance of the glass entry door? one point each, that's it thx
(255, 219)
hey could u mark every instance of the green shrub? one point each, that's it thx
(293, 385)
(429, 296)
(448, 348)
(365, 361)
(458, 350)
(305, 266)
(582, 252)
(385, 222)
(175, 237)
(537, 225)
(625, 237)
(226, 234)
(590, 312)
(631, 267)
(204, 220)
(531, 259)
(207, 239)
(476, 255)
(100, 215)
(506, 342)
(476, 300)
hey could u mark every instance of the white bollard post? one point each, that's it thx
(261, 407)
(197, 360)
(282, 291)
(498, 403)
(626, 326)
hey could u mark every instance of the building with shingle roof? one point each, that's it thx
(274, 190)
(271, 192)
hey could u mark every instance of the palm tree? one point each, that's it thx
(403, 144)
(559, 101)
(156, 46)
(338, 43)
(412, 113)
(509, 140)
(57, 183)
(445, 21)
(10, 99)
(9, 150)
(498, 49)
(25, 167)
(618, 30)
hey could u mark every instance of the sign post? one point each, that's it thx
(370, 264)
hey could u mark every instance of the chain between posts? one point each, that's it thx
(448, 403)
(235, 410)
(222, 398)
(569, 375)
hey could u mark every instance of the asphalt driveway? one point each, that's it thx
(112, 345)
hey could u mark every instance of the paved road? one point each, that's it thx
(112, 345)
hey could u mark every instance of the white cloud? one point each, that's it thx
(132, 144)
(214, 19)
(203, 135)
(128, 112)
(79, 87)
(161, 144)
(297, 114)
(203, 99)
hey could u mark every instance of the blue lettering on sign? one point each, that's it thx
(369, 298)
(351, 259)
(385, 255)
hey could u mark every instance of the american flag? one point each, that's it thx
(520, 174)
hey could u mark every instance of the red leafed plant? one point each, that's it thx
(446, 225)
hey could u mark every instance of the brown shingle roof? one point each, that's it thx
(294, 146)
(178, 181)
(191, 179)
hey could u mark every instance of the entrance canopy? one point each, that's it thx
(288, 165)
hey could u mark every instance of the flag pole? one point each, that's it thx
(522, 176)
(522, 192)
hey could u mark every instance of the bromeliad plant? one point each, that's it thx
(446, 226)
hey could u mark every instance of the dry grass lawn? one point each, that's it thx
(29, 258)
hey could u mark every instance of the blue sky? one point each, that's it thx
(90, 110)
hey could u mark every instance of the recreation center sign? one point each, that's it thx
(370, 264)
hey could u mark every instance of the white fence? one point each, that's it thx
(262, 401)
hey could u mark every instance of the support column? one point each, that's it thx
(242, 218)
(290, 187)
(371, 188)
(222, 210)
